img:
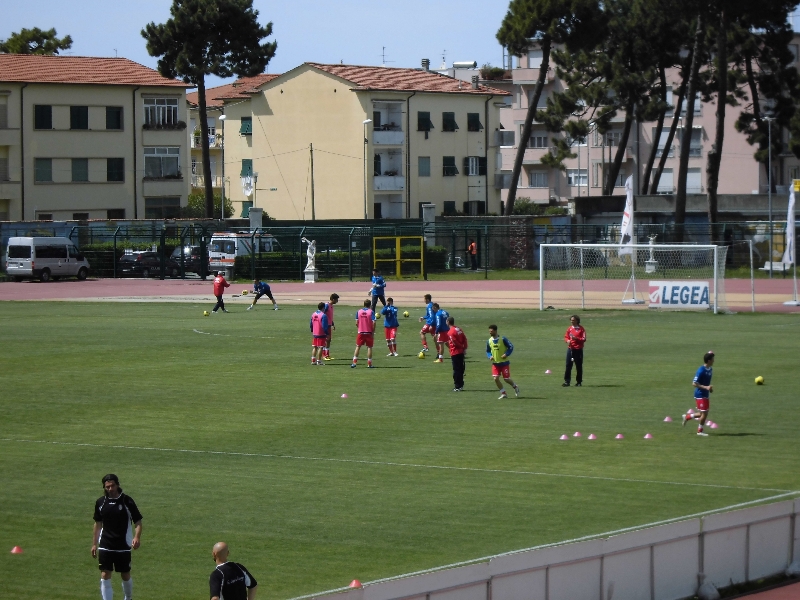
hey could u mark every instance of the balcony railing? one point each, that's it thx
(213, 141)
(198, 181)
(389, 182)
(389, 137)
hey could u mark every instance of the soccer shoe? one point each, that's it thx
(353, 366)
(565, 384)
(686, 418)
(502, 396)
(395, 354)
(276, 308)
(457, 389)
(577, 385)
(438, 360)
(425, 349)
(702, 434)
(516, 391)
(390, 354)
(370, 366)
(326, 358)
(224, 310)
(250, 307)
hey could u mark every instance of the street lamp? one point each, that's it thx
(364, 123)
(222, 141)
(769, 121)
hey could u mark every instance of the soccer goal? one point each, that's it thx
(670, 276)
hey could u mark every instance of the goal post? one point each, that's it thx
(670, 276)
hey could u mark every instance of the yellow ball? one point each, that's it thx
(205, 313)
(421, 355)
(759, 380)
(244, 292)
(405, 314)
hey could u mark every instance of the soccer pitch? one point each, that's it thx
(221, 430)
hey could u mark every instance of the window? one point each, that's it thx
(160, 111)
(246, 128)
(538, 179)
(473, 208)
(474, 165)
(377, 210)
(247, 167)
(115, 214)
(696, 145)
(449, 168)
(164, 207)
(79, 117)
(474, 122)
(3, 113)
(4, 175)
(114, 117)
(376, 119)
(424, 122)
(424, 166)
(80, 169)
(162, 163)
(535, 59)
(613, 138)
(662, 142)
(694, 183)
(449, 207)
(504, 138)
(43, 170)
(537, 140)
(42, 116)
(115, 169)
(376, 165)
(44, 217)
(577, 177)
(51, 251)
(82, 216)
(665, 184)
(449, 121)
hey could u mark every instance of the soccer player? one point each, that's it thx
(230, 580)
(219, 288)
(377, 291)
(365, 321)
(500, 362)
(113, 537)
(390, 325)
(261, 288)
(458, 350)
(702, 389)
(430, 320)
(575, 339)
(440, 331)
(319, 330)
(328, 310)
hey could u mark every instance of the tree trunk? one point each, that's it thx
(657, 135)
(715, 155)
(686, 137)
(614, 167)
(526, 128)
(208, 183)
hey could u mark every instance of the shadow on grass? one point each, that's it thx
(743, 434)
(604, 385)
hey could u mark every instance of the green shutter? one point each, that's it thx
(474, 122)
(246, 127)
(247, 167)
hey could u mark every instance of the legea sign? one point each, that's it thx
(679, 294)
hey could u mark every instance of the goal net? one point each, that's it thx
(674, 276)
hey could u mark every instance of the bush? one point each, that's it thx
(524, 206)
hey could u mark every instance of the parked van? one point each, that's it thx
(44, 258)
(225, 247)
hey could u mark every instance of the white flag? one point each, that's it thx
(247, 185)
(789, 255)
(626, 231)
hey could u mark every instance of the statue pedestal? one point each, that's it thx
(311, 275)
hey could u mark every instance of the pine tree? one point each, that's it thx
(35, 41)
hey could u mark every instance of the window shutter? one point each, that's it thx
(247, 167)
(466, 165)
(246, 128)
(481, 165)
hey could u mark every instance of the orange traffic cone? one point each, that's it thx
(16, 550)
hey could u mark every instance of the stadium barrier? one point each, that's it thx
(663, 561)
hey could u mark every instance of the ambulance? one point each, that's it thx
(225, 247)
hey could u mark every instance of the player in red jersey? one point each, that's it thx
(458, 353)
(319, 331)
(328, 310)
(575, 339)
(365, 321)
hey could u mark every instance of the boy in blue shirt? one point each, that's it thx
(430, 320)
(378, 287)
(390, 325)
(440, 331)
(261, 288)
(702, 389)
(498, 350)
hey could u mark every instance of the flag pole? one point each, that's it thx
(790, 254)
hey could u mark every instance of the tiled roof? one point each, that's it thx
(403, 80)
(26, 68)
(240, 89)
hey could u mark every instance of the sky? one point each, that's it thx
(352, 31)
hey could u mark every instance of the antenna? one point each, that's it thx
(444, 59)
(383, 57)
(115, 53)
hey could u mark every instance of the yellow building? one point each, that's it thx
(90, 138)
(303, 139)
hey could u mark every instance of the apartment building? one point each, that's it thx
(585, 175)
(90, 138)
(344, 142)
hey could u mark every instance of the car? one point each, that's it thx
(191, 259)
(44, 258)
(147, 264)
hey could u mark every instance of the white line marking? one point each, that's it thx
(572, 541)
(395, 464)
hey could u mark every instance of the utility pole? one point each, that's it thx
(313, 211)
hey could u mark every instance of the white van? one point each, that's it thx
(225, 247)
(44, 258)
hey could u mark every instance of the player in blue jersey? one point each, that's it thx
(702, 390)
(390, 325)
(261, 288)
(498, 349)
(377, 291)
(430, 320)
(440, 329)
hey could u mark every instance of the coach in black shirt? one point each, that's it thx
(230, 580)
(113, 537)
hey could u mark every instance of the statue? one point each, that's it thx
(311, 252)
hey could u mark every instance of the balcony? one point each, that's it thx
(531, 76)
(538, 195)
(388, 183)
(533, 156)
(388, 137)
(213, 141)
(198, 181)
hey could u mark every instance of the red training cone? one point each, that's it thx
(564, 437)
(619, 436)
(576, 434)
(592, 436)
(667, 419)
(345, 396)
(648, 436)
(355, 584)
(17, 550)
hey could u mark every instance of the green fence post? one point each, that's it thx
(486, 253)
(114, 256)
(350, 253)
(162, 258)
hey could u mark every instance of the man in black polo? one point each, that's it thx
(117, 529)
(230, 580)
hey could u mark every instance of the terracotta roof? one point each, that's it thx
(403, 80)
(28, 68)
(240, 89)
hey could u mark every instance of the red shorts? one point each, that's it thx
(442, 338)
(391, 332)
(503, 371)
(364, 339)
(319, 342)
(702, 403)
(427, 329)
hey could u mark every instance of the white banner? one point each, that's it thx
(247, 185)
(626, 231)
(679, 294)
(789, 255)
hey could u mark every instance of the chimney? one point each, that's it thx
(474, 82)
(426, 64)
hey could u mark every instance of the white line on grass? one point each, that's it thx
(395, 464)
(572, 541)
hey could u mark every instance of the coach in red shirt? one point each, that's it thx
(458, 347)
(219, 288)
(575, 339)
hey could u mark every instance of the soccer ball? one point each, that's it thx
(205, 313)
(244, 292)
(421, 355)
(405, 314)
(759, 380)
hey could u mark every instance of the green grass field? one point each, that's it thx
(220, 430)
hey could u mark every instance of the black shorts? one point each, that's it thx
(114, 561)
